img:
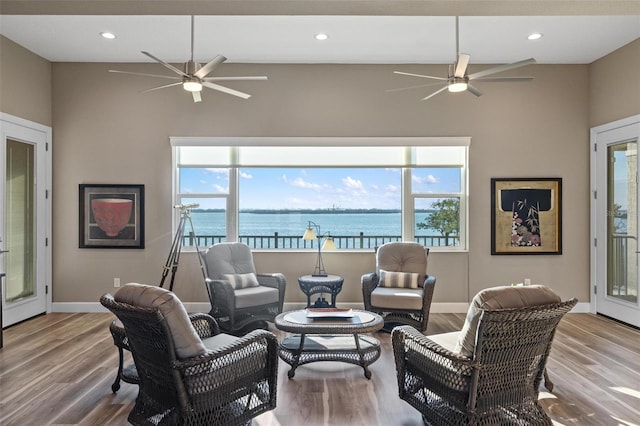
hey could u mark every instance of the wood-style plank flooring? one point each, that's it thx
(58, 369)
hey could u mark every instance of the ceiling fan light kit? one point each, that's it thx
(458, 80)
(195, 77)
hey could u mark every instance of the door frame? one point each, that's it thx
(598, 248)
(8, 119)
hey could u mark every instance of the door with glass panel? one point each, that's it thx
(23, 220)
(616, 251)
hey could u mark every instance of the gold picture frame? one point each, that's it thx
(526, 216)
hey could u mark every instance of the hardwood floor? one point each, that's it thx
(58, 369)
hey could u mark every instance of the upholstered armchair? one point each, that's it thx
(239, 296)
(490, 371)
(190, 373)
(400, 290)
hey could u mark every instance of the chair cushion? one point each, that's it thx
(397, 298)
(402, 257)
(239, 281)
(495, 298)
(256, 296)
(185, 338)
(399, 279)
(227, 258)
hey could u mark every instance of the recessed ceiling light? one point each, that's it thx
(321, 36)
(108, 35)
(534, 36)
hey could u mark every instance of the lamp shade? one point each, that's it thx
(192, 86)
(329, 244)
(309, 234)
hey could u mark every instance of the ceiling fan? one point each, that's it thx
(458, 80)
(194, 76)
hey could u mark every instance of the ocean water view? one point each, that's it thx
(345, 227)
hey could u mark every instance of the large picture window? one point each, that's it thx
(361, 191)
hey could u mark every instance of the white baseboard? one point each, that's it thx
(436, 308)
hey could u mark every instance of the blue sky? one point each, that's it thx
(317, 188)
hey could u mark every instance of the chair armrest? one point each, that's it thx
(407, 336)
(205, 325)
(238, 348)
(221, 294)
(369, 283)
(275, 280)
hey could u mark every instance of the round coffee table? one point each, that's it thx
(329, 339)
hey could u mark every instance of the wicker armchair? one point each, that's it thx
(190, 373)
(488, 373)
(400, 290)
(238, 295)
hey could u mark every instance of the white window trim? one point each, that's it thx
(407, 197)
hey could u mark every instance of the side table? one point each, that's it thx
(129, 373)
(311, 285)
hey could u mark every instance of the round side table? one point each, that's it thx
(311, 285)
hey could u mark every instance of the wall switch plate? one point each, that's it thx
(527, 281)
(116, 282)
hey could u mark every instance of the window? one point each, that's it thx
(361, 191)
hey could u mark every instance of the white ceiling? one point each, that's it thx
(352, 39)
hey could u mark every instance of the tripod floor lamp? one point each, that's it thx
(310, 234)
(176, 246)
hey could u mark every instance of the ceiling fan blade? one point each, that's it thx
(205, 70)
(196, 97)
(172, 77)
(501, 68)
(419, 75)
(225, 90)
(412, 87)
(171, 67)
(238, 78)
(461, 65)
(474, 90)
(161, 87)
(434, 93)
(503, 79)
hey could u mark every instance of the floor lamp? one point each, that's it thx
(176, 246)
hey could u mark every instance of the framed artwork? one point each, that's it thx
(111, 216)
(526, 216)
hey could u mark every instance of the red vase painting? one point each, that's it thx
(111, 214)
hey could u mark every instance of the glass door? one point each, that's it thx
(24, 212)
(616, 223)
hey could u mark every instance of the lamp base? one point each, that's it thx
(319, 275)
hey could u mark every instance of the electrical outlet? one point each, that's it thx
(527, 281)
(116, 282)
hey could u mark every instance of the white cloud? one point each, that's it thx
(220, 188)
(301, 183)
(429, 179)
(246, 175)
(352, 183)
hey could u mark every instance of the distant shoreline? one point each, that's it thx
(311, 211)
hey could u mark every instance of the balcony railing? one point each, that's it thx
(359, 241)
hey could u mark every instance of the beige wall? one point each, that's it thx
(614, 88)
(105, 131)
(25, 83)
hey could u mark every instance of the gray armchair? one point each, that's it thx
(239, 296)
(189, 372)
(400, 290)
(490, 371)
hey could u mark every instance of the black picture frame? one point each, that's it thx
(526, 216)
(111, 216)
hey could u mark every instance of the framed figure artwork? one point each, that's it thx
(526, 216)
(111, 216)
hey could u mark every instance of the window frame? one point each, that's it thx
(407, 196)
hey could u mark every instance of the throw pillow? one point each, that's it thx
(239, 281)
(399, 279)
